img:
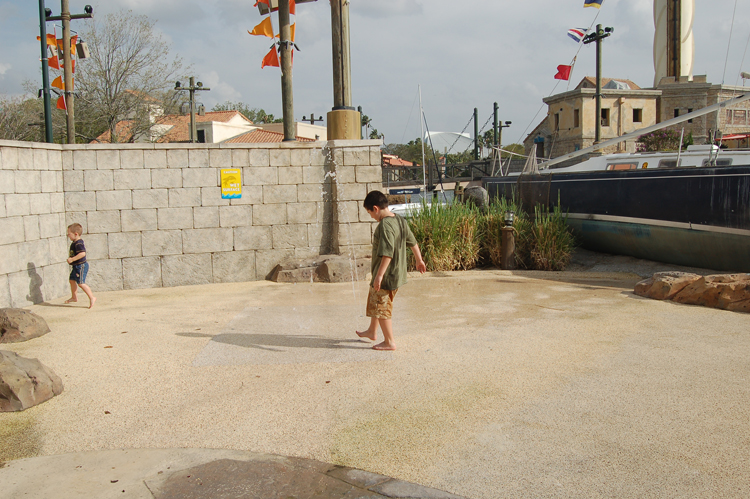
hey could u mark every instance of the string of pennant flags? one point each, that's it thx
(577, 34)
(265, 28)
(55, 61)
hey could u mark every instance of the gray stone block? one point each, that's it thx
(357, 156)
(9, 157)
(25, 159)
(132, 179)
(177, 158)
(9, 260)
(39, 204)
(302, 213)
(252, 238)
(4, 292)
(76, 217)
(205, 217)
(124, 244)
(345, 175)
(55, 281)
(260, 175)
(251, 194)
(98, 180)
(376, 156)
(104, 275)
(103, 221)
(235, 216)
(220, 158)
(314, 174)
(2, 206)
(200, 177)
(131, 159)
(348, 211)
(290, 175)
(26, 287)
(28, 182)
(351, 192)
(67, 160)
(320, 236)
(155, 159)
(49, 225)
(73, 181)
(31, 227)
(7, 182)
(114, 200)
(161, 242)
(234, 266)
(175, 218)
(366, 174)
(259, 157)
(84, 160)
(267, 260)
(184, 270)
(198, 158)
(184, 197)
(240, 158)
(289, 236)
(211, 196)
(138, 220)
(80, 201)
(12, 229)
(141, 273)
(355, 234)
(54, 160)
(269, 214)
(313, 156)
(280, 157)
(207, 240)
(97, 247)
(57, 202)
(34, 252)
(50, 181)
(150, 198)
(279, 194)
(17, 205)
(40, 159)
(108, 159)
(309, 193)
(166, 178)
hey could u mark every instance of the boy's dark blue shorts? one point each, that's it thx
(78, 273)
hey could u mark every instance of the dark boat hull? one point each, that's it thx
(697, 217)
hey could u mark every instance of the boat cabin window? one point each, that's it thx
(719, 162)
(622, 166)
(669, 163)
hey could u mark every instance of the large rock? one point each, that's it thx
(25, 382)
(324, 268)
(725, 291)
(17, 324)
(477, 196)
(665, 285)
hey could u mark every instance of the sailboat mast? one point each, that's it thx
(421, 125)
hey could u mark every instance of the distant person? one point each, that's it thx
(389, 243)
(79, 265)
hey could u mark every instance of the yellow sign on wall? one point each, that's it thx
(231, 183)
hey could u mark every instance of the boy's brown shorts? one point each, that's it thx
(380, 303)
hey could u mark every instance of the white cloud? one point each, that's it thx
(4, 68)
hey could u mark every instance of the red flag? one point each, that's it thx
(271, 59)
(292, 7)
(61, 103)
(563, 72)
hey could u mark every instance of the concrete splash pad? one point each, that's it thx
(504, 385)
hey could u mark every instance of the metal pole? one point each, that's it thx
(193, 128)
(494, 129)
(45, 74)
(287, 92)
(68, 72)
(476, 134)
(421, 124)
(599, 33)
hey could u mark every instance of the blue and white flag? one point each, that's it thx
(577, 34)
(593, 3)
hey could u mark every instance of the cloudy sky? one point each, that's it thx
(463, 54)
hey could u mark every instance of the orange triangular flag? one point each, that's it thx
(292, 7)
(271, 59)
(265, 28)
(51, 40)
(58, 83)
(73, 41)
(53, 62)
(61, 103)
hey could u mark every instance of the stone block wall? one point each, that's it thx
(153, 214)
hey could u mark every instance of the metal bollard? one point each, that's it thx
(508, 257)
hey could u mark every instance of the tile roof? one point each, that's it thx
(261, 136)
(180, 131)
(590, 82)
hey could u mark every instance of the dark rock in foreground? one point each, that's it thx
(17, 324)
(25, 382)
(725, 291)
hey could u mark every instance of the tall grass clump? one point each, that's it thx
(448, 236)
(553, 240)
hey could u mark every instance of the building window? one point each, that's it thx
(557, 121)
(637, 115)
(676, 113)
(202, 136)
(605, 117)
(690, 110)
(740, 117)
(576, 118)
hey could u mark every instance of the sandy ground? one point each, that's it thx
(504, 385)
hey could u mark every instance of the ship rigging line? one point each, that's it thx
(409, 118)
(440, 177)
(459, 135)
(729, 43)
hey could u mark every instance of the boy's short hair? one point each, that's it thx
(375, 198)
(76, 229)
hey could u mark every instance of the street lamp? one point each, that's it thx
(597, 37)
(500, 132)
(194, 87)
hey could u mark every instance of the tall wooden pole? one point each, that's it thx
(68, 72)
(344, 122)
(598, 133)
(287, 92)
(45, 73)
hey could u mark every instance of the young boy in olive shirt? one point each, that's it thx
(389, 261)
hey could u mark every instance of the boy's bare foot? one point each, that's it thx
(366, 334)
(71, 300)
(384, 346)
(92, 301)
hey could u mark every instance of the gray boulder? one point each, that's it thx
(25, 382)
(17, 324)
(477, 196)
(324, 268)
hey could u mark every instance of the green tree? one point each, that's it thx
(254, 114)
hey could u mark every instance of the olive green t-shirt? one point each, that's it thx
(391, 238)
